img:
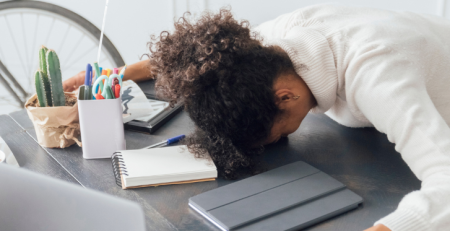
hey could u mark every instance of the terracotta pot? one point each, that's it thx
(56, 127)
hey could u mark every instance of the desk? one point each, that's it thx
(362, 159)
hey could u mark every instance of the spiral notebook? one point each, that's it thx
(160, 166)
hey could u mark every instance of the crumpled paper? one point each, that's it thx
(56, 127)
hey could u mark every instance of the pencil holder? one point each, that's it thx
(101, 126)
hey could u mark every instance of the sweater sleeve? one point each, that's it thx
(278, 27)
(391, 93)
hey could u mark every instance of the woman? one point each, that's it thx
(362, 67)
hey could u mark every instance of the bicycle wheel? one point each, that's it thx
(26, 25)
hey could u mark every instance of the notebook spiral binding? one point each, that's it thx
(119, 167)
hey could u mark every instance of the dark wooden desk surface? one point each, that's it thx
(362, 159)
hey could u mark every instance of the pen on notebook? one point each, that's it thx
(167, 142)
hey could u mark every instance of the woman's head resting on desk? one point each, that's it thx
(240, 94)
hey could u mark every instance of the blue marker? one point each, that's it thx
(88, 82)
(84, 92)
(167, 142)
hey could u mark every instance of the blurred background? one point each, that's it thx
(72, 28)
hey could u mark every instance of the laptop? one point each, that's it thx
(30, 201)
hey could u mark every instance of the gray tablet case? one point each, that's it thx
(291, 197)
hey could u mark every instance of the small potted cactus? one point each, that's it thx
(54, 112)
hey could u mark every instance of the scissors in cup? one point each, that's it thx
(106, 91)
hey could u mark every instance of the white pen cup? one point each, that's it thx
(101, 127)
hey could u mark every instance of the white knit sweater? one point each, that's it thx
(390, 70)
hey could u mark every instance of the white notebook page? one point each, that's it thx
(155, 163)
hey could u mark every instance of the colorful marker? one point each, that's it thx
(122, 72)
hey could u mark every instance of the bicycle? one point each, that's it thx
(26, 25)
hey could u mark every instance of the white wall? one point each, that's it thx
(131, 22)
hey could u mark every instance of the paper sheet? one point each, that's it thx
(134, 102)
(157, 106)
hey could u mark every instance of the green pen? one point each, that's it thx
(98, 74)
(106, 90)
(81, 93)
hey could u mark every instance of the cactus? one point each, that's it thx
(40, 88)
(48, 81)
(54, 76)
(42, 82)
(44, 76)
(42, 62)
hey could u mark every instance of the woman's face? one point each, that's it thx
(295, 100)
(284, 126)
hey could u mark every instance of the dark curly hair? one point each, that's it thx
(225, 77)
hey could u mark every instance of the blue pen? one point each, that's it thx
(87, 76)
(85, 89)
(167, 142)
(88, 82)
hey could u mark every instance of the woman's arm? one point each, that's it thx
(137, 72)
(378, 227)
(391, 93)
(278, 27)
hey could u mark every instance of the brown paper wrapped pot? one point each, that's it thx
(56, 127)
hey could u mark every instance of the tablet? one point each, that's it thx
(290, 197)
(162, 112)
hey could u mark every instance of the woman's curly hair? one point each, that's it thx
(225, 77)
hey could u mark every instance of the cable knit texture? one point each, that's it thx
(387, 69)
